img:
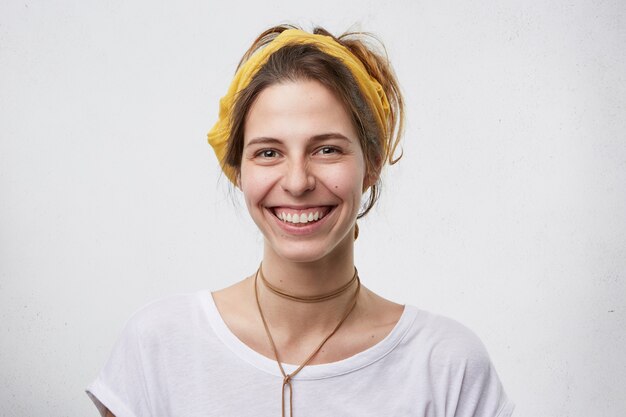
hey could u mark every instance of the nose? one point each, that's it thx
(298, 178)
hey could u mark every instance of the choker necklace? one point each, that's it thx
(288, 377)
(308, 298)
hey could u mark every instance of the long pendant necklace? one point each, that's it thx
(288, 377)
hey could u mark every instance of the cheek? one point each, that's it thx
(250, 187)
(344, 182)
(255, 184)
(249, 198)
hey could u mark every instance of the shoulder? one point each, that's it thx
(164, 307)
(167, 315)
(454, 341)
(446, 344)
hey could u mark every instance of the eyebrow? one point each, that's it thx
(265, 140)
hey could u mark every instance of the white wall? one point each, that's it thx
(506, 213)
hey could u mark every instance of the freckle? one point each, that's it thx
(372, 336)
(336, 186)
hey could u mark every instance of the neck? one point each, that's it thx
(307, 298)
(295, 319)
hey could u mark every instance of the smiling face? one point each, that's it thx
(302, 171)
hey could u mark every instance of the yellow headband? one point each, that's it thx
(369, 87)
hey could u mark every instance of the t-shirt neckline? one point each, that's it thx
(327, 370)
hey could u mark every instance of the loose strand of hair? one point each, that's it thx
(379, 67)
(263, 39)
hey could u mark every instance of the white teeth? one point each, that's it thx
(299, 218)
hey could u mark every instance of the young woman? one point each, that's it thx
(304, 130)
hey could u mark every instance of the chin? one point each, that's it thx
(302, 252)
(308, 252)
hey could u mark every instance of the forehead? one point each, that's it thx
(297, 109)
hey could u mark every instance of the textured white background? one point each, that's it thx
(506, 213)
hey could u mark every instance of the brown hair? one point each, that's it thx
(305, 61)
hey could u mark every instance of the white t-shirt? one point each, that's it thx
(177, 358)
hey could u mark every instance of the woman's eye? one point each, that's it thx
(268, 153)
(328, 150)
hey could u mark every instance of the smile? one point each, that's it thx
(301, 216)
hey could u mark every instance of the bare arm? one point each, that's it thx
(109, 414)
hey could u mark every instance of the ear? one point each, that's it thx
(238, 180)
(370, 179)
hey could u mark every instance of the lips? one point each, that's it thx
(301, 215)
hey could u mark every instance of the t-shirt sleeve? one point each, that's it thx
(470, 381)
(121, 384)
(480, 392)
